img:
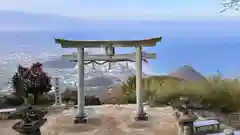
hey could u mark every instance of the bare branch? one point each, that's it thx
(230, 4)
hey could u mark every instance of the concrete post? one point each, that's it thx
(109, 65)
(80, 117)
(93, 66)
(58, 96)
(127, 68)
(141, 115)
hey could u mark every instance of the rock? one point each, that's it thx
(71, 96)
(92, 100)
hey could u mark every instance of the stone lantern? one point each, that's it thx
(31, 119)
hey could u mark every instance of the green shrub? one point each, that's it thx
(129, 89)
(221, 93)
(43, 100)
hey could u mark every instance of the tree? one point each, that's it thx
(31, 80)
(228, 4)
(129, 89)
(18, 83)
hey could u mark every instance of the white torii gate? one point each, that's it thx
(110, 56)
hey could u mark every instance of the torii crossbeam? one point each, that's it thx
(129, 57)
(109, 46)
(116, 57)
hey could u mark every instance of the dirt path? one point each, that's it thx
(6, 127)
(108, 120)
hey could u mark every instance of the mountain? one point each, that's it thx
(15, 20)
(58, 63)
(12, 20)
(188, 73)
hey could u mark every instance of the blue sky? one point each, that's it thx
(123, 9)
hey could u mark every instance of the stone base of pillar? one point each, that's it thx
(80, 119)
(141, 117)
(54, 105)
(58, 106)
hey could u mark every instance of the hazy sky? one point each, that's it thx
(123, 9)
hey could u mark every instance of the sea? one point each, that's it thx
(207, 46)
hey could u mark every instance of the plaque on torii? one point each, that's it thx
(109, 46)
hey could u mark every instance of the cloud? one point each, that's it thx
(38, 6)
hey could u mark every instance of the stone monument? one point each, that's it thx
(58, 96)
(31, 119)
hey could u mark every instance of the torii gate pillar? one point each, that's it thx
(140, 114)
(80, 117)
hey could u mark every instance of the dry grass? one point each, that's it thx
(114, 96)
